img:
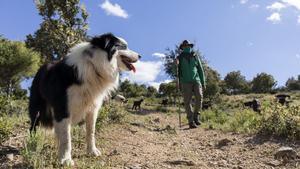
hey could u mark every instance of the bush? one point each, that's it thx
(282, 121)
(273, 120)
(160, 108)
(39, 152)
(214, 118)
(111, 113)
(8, 109)
(6, 127)
(244, 121)
(10, 106)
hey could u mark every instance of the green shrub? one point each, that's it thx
(239, 121)
(10, 110)
(214, 118)
(11, 106)
(39, 152)
(111, 113)
(6, 127)
(244, 121)
(160, 108)
(116, 114)
(282, 121)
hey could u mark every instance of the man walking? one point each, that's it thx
(192, 80)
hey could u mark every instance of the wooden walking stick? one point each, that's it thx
(178, 91)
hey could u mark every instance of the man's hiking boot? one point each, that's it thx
(192, 125)
(197, 122)
(196, 119)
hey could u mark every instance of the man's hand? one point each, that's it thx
(178, 85)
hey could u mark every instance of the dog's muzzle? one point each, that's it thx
(128, 62)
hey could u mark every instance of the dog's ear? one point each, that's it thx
(106, 42)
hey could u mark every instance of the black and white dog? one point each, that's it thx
(73, 89)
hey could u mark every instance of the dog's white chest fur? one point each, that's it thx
(87, 98)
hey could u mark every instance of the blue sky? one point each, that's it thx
(249, 35)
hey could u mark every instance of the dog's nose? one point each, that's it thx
(140, 56)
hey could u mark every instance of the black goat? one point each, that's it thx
(282, 99)
(137, 104)
(254, 104)
(206, 105)
(164, 102)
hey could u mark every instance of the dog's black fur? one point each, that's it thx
(51, 82)
(50, 85)
(137, 104)
(107, 42)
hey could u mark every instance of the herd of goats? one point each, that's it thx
(255, 105)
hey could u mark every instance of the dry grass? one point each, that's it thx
(114, 123)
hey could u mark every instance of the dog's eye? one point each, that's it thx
(121, 47)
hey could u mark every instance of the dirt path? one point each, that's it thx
(152, 141)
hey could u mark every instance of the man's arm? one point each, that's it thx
(201, 73)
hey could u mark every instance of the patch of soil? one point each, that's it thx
(154, 140)
(194, 148)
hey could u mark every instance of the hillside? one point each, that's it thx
(150, 138)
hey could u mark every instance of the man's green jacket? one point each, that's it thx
(190, 69)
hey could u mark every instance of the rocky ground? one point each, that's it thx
(154, 140)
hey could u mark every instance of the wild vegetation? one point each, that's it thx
(121, 129)
(39, 150)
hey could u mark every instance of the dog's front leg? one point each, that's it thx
(91, 118)
(63, 132)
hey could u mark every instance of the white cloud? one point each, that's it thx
(274, 18)
(277, 6)
(146, 71)
(294, 3)
(254, 6)
(113, 9)
(249, 44)
(159, 55)
(243, 1)
(282, 4)
(156, 84)
(298, 56)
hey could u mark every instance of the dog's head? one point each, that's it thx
(117, 51)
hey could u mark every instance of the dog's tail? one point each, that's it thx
(38, 111)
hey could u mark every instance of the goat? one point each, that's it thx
(137, 104)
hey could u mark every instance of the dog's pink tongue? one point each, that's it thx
(132, 68)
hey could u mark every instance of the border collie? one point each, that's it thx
(73, 89)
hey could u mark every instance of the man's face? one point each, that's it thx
(186, 48)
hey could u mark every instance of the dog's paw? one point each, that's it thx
(67, 162)
(94, 152)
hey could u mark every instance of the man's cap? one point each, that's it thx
(186, 43)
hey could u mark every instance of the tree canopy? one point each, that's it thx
(64, 25)
(293, 84)
(236, 83)
(263, 83)
(133, 89)
(16, 63)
